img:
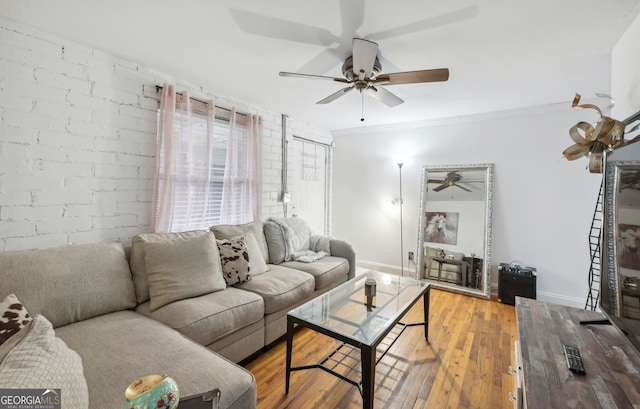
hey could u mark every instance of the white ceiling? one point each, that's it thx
(502, 54)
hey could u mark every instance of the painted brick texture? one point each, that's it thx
(77, 142)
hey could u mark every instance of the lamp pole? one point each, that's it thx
(401, 235)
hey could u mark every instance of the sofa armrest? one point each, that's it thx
(341, 248)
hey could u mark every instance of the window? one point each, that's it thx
(206, 173)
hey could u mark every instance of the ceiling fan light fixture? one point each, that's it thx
(362, 70)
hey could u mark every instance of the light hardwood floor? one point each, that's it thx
(463, 366)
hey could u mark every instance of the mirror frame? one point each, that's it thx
(485, 291)
(613, 173)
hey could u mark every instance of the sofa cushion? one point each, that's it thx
(182, 268)
(207, 318)
(275, 241)
(69, 283)
(235, 260)
(13, 317)
(118, 348)
(326, 271)
(280, 288)
(137, 262)
(229, 231)
(43, 361)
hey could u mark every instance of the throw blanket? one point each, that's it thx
(320, 243)
(42, 361)
(300, 245)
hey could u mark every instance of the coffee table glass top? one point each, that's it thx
(343, 309)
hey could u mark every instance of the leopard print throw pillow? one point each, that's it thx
(13, 317)
(235, 260)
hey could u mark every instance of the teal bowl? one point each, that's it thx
(153, 392)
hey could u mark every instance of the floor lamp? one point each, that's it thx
(401, 236)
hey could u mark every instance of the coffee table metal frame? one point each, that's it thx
(392, 328)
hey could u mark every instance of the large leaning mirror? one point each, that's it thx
(454, 236)
(621, 296)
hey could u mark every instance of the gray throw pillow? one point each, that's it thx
(136, 261)
(275, 242)
(256, 260)
(182, 268)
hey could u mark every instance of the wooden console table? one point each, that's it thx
(611, 362)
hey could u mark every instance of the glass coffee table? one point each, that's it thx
(342, 314)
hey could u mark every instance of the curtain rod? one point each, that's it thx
(159, 88)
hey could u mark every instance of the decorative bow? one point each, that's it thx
(607, 134)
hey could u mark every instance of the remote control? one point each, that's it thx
(574, 360)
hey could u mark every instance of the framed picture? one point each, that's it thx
(441, 227)
(629, 246)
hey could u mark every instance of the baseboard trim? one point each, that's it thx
(384, 268)
(541, 295)
(561, 299)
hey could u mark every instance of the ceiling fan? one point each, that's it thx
(361, 71)
(450, 180)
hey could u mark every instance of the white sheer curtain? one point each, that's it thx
(184, 149)
(205, 176)
(242, 187)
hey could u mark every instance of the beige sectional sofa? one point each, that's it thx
(95, 297)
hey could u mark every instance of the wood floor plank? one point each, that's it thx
(464, 365)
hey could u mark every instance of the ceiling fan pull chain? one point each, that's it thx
(362, 109)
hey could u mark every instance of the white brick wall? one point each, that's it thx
(77, 142)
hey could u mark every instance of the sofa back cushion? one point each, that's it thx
(70, 283)
(182, 268)
(137, 261)
(231, 231)
(275, 241)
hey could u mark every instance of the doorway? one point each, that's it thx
(310, 199)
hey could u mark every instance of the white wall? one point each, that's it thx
(543, 204)
(77, 141)
(625, 78)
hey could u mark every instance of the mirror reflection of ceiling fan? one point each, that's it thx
(361, 71)
(452, 179)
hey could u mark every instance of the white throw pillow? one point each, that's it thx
(234, 258)
(42, 361)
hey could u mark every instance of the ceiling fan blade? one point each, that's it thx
(266, 26)
(384, 96)
(325, 60)
(413, 77)
(435, 181)
(463, 188)
(441, 187)
(312, 77)
(335, 95)
(364, 56)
